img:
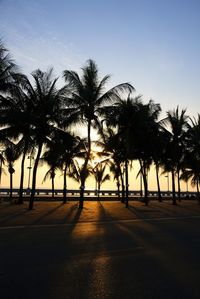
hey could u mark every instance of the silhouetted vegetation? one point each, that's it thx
(37, 117)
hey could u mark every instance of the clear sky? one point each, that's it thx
(153, 44)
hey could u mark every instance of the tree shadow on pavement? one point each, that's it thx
(41, 218)
(13, 216)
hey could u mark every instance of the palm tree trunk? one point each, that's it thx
(144, 175)
(198, 198)
(32, 196)
(98, 189)
(173, 189)
(83, 179)
(122, 183)
(158, 184)
(20, 200)
(52, 185)
(179, 187)
(126, 176)
(146, 200)
(1, 167)
(118, 188)
(11, 185)
(65, 185)
(1, 162)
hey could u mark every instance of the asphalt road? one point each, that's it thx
(117, 259)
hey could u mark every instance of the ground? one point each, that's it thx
(104, 251)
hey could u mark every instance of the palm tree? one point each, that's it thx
(71, 148)
(11, 155)
(113, 148)
(44, 101)
(146, 131)
(115, 170)
(122, 116)
(191, 162)
(86, 102)
(175, 126)
(136, 123)
(99, 175)
(158, 151)
(2, 162)
(193, 136)
(15, 119)
(192, 172)
(62, 150)
(51, 158)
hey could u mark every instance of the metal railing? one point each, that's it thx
(89, 193)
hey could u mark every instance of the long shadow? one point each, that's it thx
(174, 210)
(69, 213)
(135, 211)
(165, 210)
(38, 220)
(161, 263)
(68, 264)
(123, 255)
(105, 214)
(186, 207)
(86, 254)
(13, 216)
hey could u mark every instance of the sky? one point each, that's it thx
(153, 44)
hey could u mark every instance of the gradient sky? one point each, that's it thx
(153, 44)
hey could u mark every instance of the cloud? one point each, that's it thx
(31, 51)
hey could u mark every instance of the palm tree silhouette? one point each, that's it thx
(51, 158)
(113, 148)
(62, 150)
(11, 155)
(99, 174)
(175, 127)
(191, 162)
(16, 115)
(123, 116)
(86, 102)
(44, 101)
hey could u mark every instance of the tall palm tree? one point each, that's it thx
(15, 119)
(86, 102)
(147, 130)
(175, 125)
(44, 99)
(191, 162)
(136, 124)
(122, 116)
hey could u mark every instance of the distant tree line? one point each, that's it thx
(38, 118)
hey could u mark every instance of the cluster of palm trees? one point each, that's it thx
(37, 118)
